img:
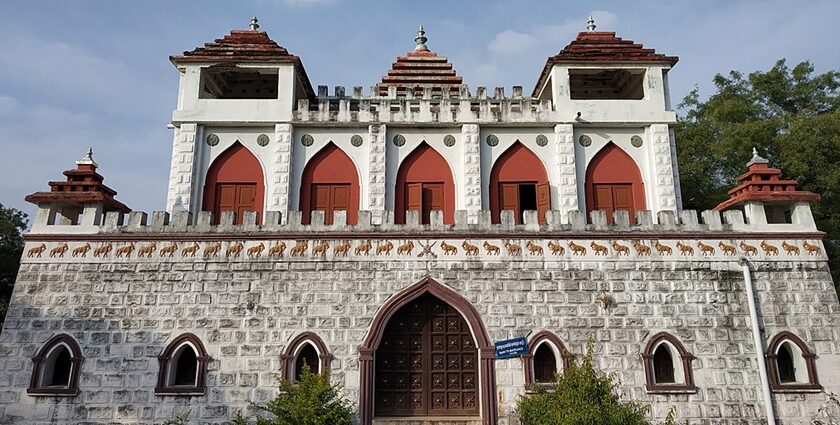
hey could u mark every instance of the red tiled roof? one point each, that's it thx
(83, 185)
(605, 47)
(421, 69)
(762, 183)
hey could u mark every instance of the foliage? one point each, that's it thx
(791, 115)
(312, 400)
(581, 395)
(12, 223)
(181, 419)
(671, 417)
(829, 413)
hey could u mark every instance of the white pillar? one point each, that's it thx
(376, 174)
(278, 187)
(179, 195)
(471, 169)
(565, 198)
(661, 174)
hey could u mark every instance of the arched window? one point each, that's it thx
(234, 182)
(546, 357)
(667, 366)
(519, 183)
(183, 367)
(424, 184)
(56, 368)
(613, 183)
(330, 183)
(305, 349)
(791, 364)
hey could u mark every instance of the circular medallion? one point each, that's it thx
(356, 140)
(307, 140)
(585, 140)
(399, 140)
(212, 139)
(492, 140)
(449, 140)
(542, 140)
(636, 141)
(263, 140)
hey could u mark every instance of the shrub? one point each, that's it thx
(581, 396)
(312, 400)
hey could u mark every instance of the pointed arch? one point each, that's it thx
(791, 364)
(234, 182)
(330, 182)
(183, 367)
(56, 368)
(290, 356)
(540, 341)
(519, 182)
(424, 183)
(486, 350)
(614, 182)
(680, 379)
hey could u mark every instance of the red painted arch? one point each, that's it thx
(330, 165)
(516, 164)
(614, 166)
(235, 165)
(425, 165)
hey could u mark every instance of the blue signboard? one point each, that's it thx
(510, 348)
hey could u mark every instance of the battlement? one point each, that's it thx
(683, 224)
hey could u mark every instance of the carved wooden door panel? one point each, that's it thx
(426, 363)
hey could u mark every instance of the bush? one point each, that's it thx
(311, 401)
(581, 396)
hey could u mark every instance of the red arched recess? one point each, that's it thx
(425, 171)
(331, 181)
(235, 182)
(515, 168)
(613, 182)
(486, 350)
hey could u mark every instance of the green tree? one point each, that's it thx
(12, 223)
(581, 395)
(312, 400)
(791, 115)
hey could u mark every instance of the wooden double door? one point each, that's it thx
(426, 363)
(424, 198)
(614, 197)
(236, 197)
(329, 198)
(524, 196)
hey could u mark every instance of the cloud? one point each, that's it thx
(7, 104)
(306, 3)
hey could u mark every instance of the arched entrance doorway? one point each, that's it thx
(518, 182)
(234, 182)
(330, 183)
(613, 183)
(427, 354)
(424, 184)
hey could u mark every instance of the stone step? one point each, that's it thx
(429, 420)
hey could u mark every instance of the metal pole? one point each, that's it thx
(759, 346)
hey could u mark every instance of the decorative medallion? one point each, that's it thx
(449, 140)
(212, 139)
(542, 141)
(356, 140)
(492, 140)
(636, 141)
(585, 140)
(263, 140)
(307, 140)
(399, 140)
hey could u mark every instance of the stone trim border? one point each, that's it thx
(527, 359)
(486, 350)
(76, 360)
(201, 371)
(287, 359)
(685, 387)
(813, 384)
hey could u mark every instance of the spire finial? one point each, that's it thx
(87, 159)
(590, 24)
(421, 40)
(757, 159)
(254, 24)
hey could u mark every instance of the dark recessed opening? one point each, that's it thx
(605, 84)
(238, 83)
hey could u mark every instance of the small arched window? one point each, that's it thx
(305, 349)
(56, 368)
(791, 364)
(667, 366)
(183, 367)
(546, 357)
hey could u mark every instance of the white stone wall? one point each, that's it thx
(181, 183)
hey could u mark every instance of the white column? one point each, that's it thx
(662, 171)
(279, 183)
(376, 174)
(566, 197)
(471, 169)
(179, 194)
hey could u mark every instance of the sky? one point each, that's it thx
(82, 73)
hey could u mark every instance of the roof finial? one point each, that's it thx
(590, 24)
(87, 159)
(421, 40)
(254, 25)
(756, 159)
